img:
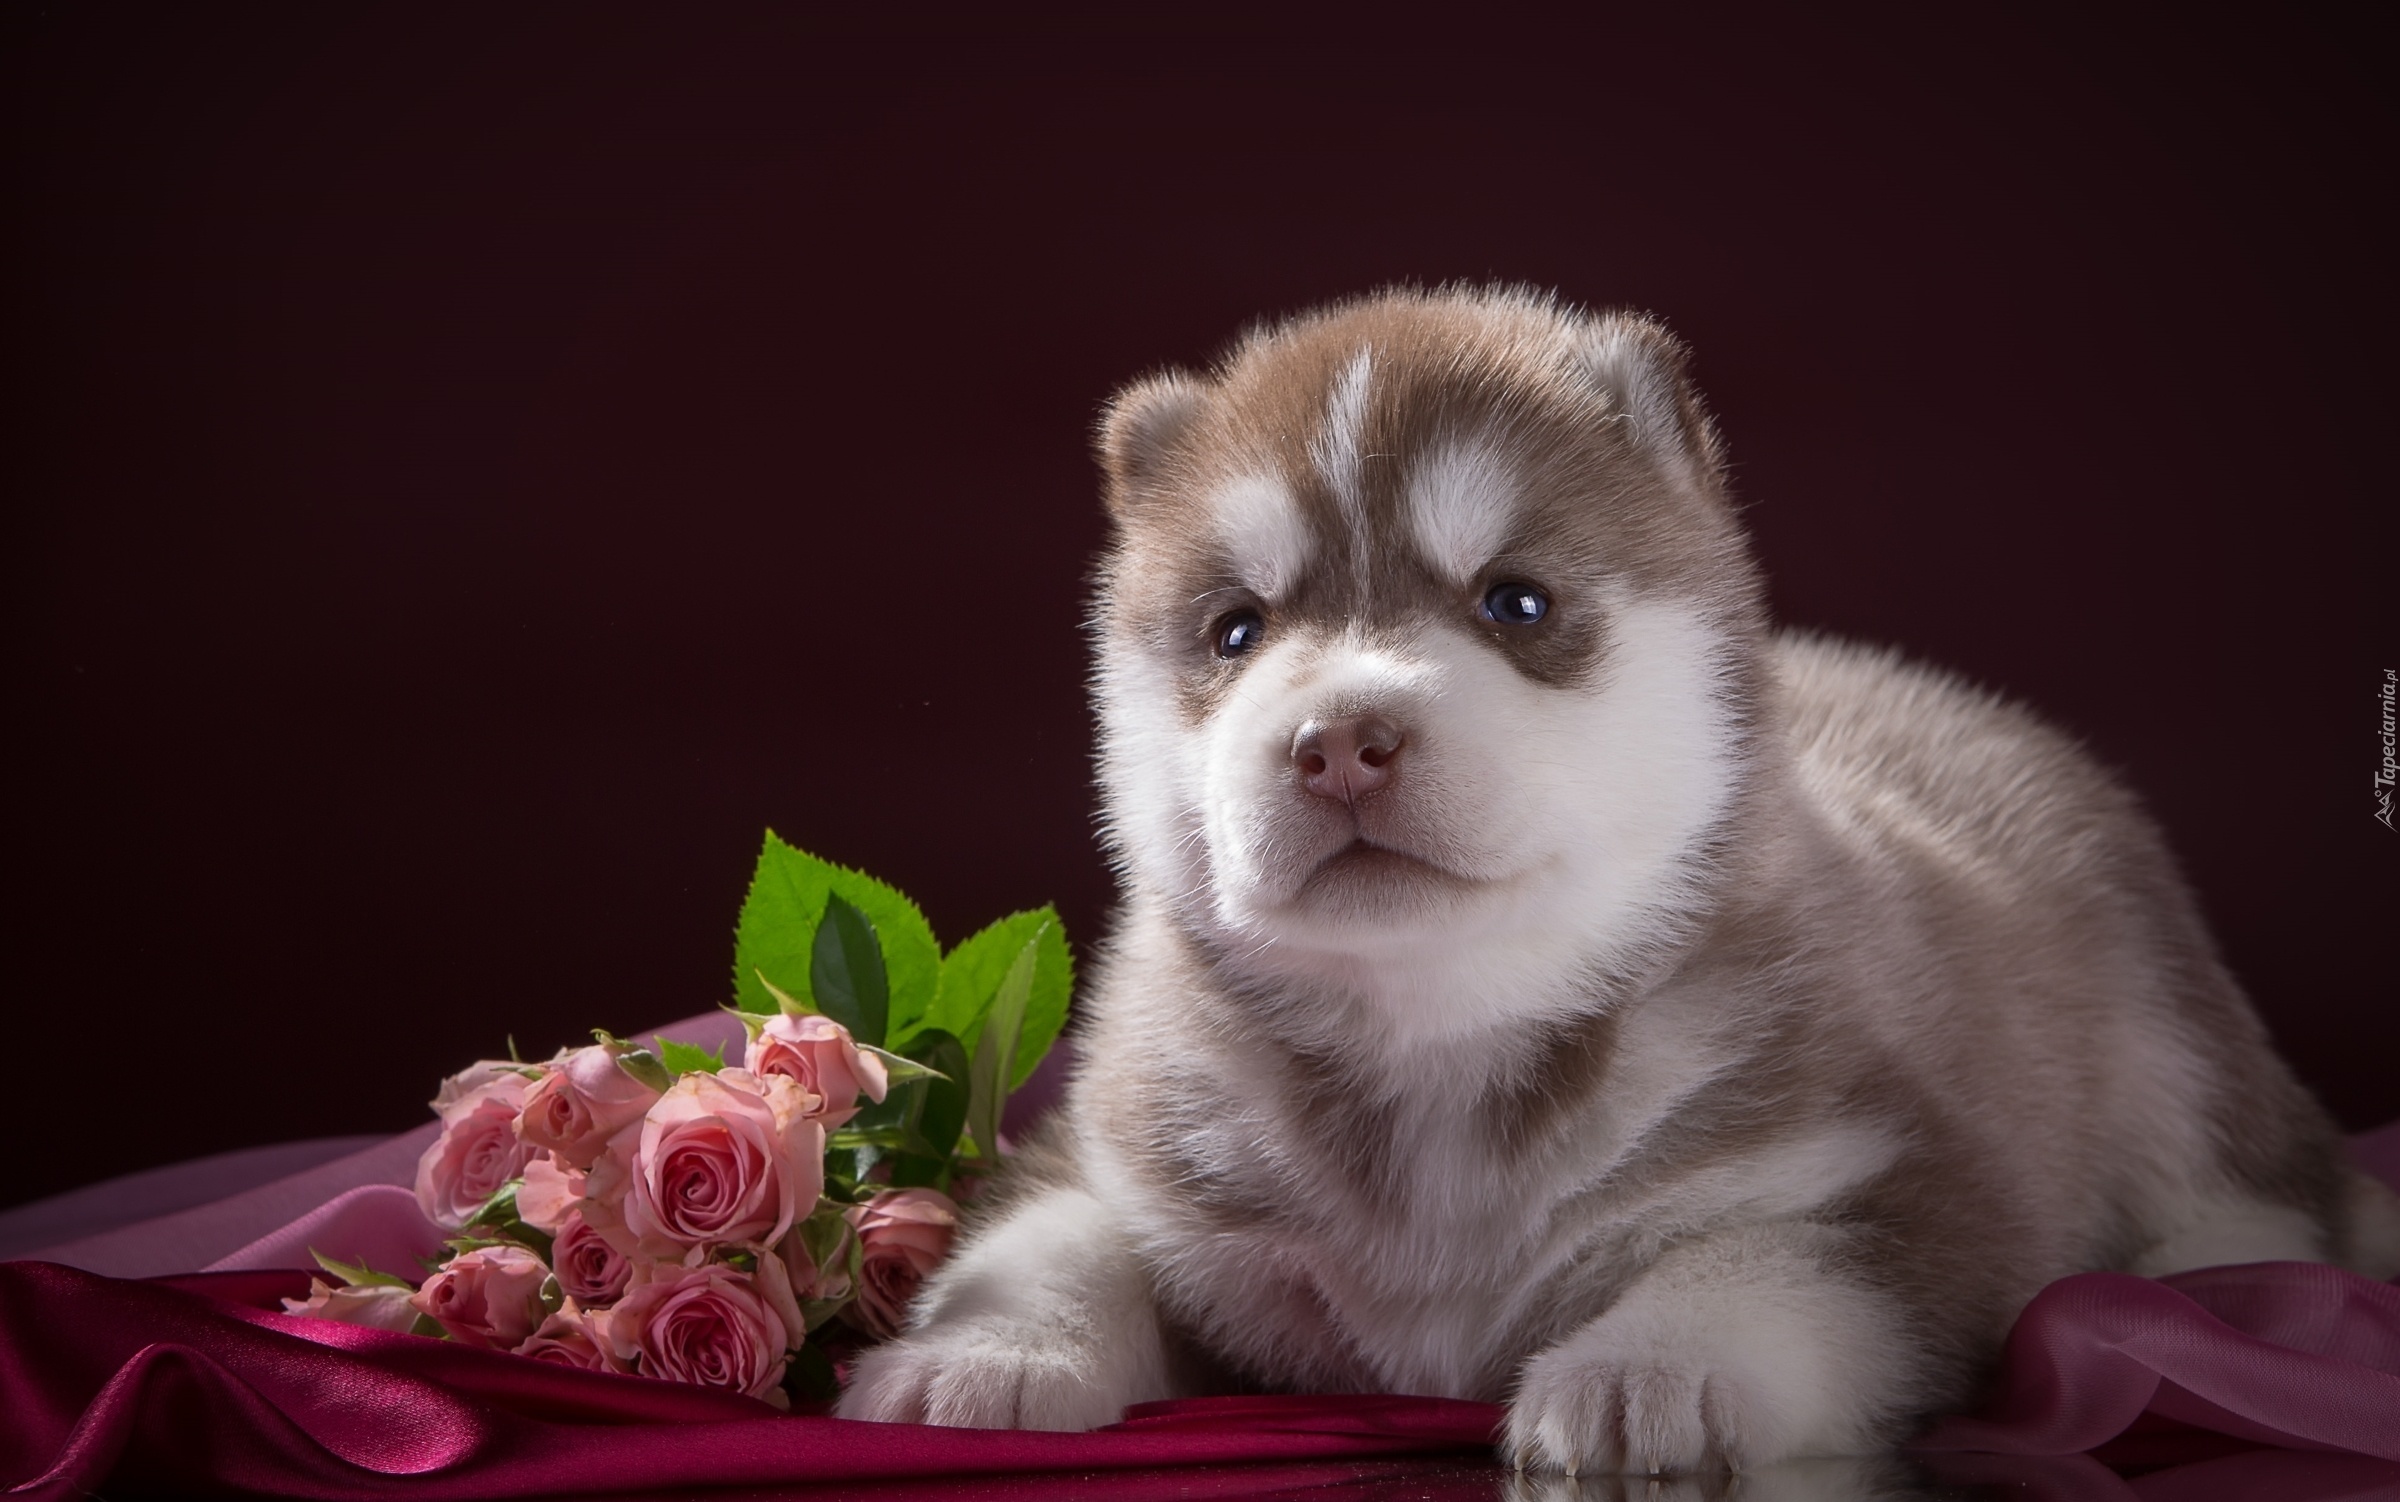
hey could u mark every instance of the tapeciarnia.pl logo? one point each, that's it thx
(2385, 774)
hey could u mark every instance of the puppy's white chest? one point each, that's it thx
(1399, 1270)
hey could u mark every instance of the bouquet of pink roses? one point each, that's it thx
(676, 1214)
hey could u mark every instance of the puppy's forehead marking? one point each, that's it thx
(1336, 446)
(1336, 451)
(1462, 499)
(1263, 533)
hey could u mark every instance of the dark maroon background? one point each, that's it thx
(468, 472)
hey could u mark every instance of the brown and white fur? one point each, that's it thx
(1702, 1039)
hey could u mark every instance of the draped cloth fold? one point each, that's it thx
(2292, 1354)
(198, 1384)
(186, 1386)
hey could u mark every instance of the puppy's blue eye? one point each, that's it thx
(1515, 604)
(1239, 632)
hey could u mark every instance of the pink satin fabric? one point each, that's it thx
(2207, 1384)
(185, 1385)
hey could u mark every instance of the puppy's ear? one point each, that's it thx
(1640, 369)
(1141, 426)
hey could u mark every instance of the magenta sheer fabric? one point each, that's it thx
(198, 1384)
(2293, 1354)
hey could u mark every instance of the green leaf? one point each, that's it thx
(1046, 1007)
(889, 1134)
(940, 1108)
(810, 1375)
(899, 1069)
(637, 1061)
(778, 930)
(971, 977)
(500, 1208)
(845, 972)
(792, 1005)
(995, 1061)
(918, 1118)
(752, 1023)
(358, 1275)
(647, 1067)
(495, 1223)
(971, 973)
(684, 1058)
(850, 1162)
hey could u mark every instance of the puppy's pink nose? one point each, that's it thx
(1347, 757)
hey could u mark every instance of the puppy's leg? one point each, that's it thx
(1046, 1321)
(1736, 1350)
(2233, 1228)
(2372, 1243)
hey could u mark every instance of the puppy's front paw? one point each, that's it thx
(1715, 1362)
(1046, 1321)
(985, 1377)
(1598, 1413)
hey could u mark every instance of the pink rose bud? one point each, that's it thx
(819, 1054)
(605, 1189)
(571, 1337)
(581, 1103)
(903, 1235)
(590, 1271)
(707, 1325)
(379, 1306)
(491, 1296)
(723, 1158)
(470, 1079)
(814, 1282)
(550, 1193)
(478, 1151)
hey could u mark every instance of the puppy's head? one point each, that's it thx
(1423, 640)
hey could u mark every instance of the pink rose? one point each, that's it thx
(379, 1306)
(478, 1150)
(491, 1296)
(573, 1337)
(581, 1103)
(903, 1235)
(707, 1325)
(590, 1271)
(724, 1157)
(819, 1054)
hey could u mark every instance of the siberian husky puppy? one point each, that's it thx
(1540, 981)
